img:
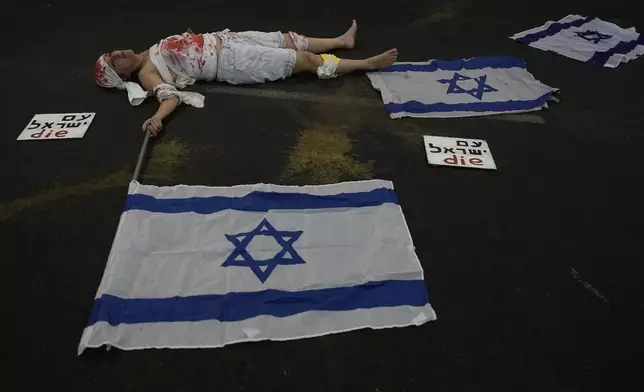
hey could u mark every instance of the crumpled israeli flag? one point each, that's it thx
(195, 266)
(586, 39)
(470, 87)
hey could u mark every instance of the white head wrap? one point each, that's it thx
(105, 76)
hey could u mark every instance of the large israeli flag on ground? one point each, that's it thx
(195, 266)
(587, 39)
(470, 87)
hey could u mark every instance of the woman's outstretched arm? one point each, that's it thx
(150, 79)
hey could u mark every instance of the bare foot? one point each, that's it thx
(384, 59)
(348, 39)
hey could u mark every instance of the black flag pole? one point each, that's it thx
(139, 163)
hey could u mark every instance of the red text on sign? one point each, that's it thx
(460, 161)
(57, 134)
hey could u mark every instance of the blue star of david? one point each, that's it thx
(477, 92)
(592, 35)
(241, 258)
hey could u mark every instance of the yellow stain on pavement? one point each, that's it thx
(58, 192)
(165, 158)
(322, 153)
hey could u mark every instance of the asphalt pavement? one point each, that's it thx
(535, 270)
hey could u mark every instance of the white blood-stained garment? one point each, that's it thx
(254, 57)
(182, 60)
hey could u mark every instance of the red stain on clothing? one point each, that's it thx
(188, 44)
(99, 73)
(181, 43)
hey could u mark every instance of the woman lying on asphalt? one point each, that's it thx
(237, 58)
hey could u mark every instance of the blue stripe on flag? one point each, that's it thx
(261, 202)
(419, 107)
(456, 65)
(600, 58)
(553, 29)
(241, 306)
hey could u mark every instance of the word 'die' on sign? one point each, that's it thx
(57, 126)
(449, 151)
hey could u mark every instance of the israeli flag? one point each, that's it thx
(586, 39)
(195, 266)
(470, 87)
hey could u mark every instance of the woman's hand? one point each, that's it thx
(153, 124)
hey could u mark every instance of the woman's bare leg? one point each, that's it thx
(319, 45)
(310, 62)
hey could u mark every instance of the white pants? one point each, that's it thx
(254, 57)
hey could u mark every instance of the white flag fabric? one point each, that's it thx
(461, 88)
(195, 266)
(586, 39)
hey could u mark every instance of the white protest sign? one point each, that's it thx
(57, 126)
(449, 151)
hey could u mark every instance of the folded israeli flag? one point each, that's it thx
(196, 266)
(586, 39)
(471, 87)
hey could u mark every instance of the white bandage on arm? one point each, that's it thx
(166, 91)
(328, 67)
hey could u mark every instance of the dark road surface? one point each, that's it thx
(535, 270)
